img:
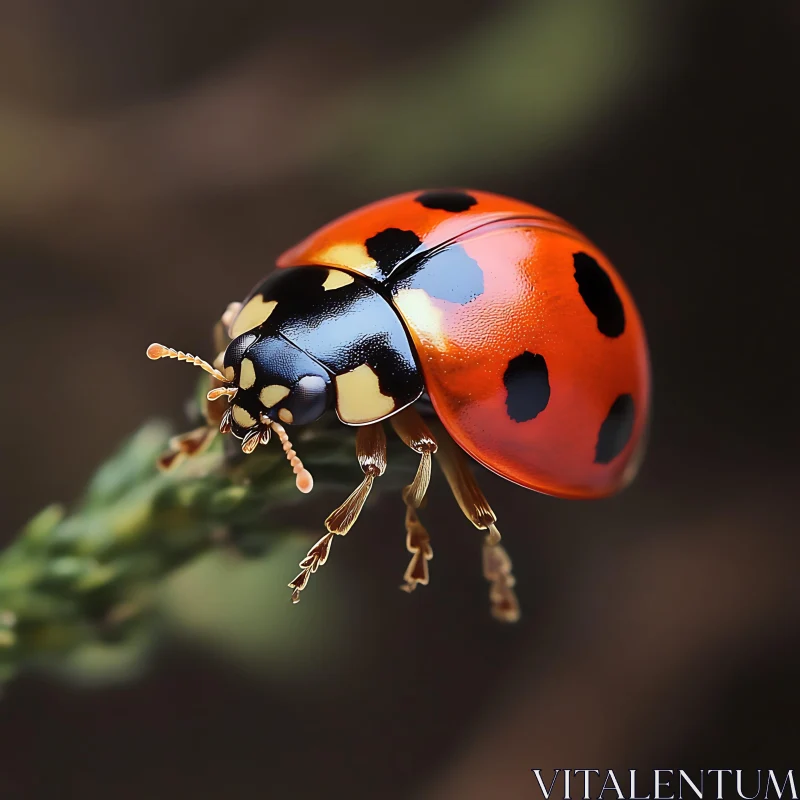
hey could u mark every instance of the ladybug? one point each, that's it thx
(475, 324)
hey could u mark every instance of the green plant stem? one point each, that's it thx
(88, 576)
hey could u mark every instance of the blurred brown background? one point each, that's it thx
(155, 157)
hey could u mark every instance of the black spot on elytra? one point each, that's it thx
(599, 294)
(616, 430)
(527, 386)
(446, 274)
(447, 201)
(388, 248)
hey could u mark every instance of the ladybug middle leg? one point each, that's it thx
(371, 454)
(411, 428)
(496, 562)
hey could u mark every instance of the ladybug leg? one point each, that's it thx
(496, 562)
(185, 446)
(221, 338)
(371, 454)
(196, 441)
(411, 428)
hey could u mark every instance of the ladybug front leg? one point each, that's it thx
(411, 428)
(196, 441)
(371, 454)
(496, 562)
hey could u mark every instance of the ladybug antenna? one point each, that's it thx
(305, 483)
(156, 351)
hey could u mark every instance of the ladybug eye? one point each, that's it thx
(309, 400)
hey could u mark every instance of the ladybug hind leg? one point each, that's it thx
(411, 428)
(371, 454)
(496, 562)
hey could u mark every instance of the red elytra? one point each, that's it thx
(522, 334)
(543, 375)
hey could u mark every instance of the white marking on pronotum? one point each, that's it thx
(359, 398)
(255, 313)
(336, 279)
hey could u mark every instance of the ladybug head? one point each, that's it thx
(274, 381)
(268, 382)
